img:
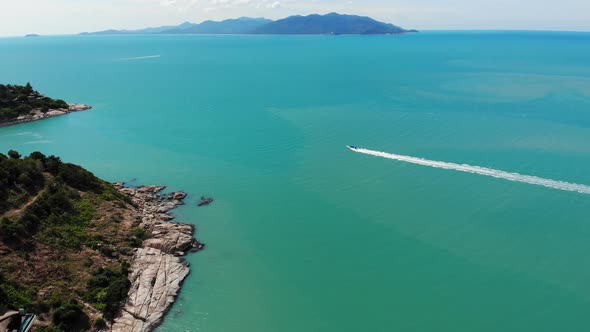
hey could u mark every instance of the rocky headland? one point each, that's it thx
(157, 269)
(37, 114)
(20, 104)
(83, 254)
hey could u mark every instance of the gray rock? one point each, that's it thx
(78, 107)
(156, 279)
(156, 273)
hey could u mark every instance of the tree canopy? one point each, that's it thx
(17, 100)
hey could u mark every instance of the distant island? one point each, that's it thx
(332, 24)
(23, 104)
(32, 35)
(82, 254)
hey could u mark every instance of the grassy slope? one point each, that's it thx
(65, 240)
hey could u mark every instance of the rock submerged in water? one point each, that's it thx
(157, 272)
(205, 201)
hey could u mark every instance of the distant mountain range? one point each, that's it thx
(333, 23)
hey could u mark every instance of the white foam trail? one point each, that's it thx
(561, 185)
(140, 57)
(18, 134)
(39, 142)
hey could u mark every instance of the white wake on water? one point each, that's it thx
(140, 57)
(561, 185)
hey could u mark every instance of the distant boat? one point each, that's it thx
(352, 147)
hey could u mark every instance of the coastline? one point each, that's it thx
(36, 115)
(158, 268)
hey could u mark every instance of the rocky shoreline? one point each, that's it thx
(158, 268)
(36, 115)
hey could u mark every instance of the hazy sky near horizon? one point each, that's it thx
(18, 17)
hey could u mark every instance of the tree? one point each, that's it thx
(37, 156)
(28, 88)
(14, 154)
(8, 113)
(52, 164)
(9, 230)
(26, 181)
(70, 317)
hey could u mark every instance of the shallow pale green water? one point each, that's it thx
(307, 236)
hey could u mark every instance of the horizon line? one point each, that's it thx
(90, 34)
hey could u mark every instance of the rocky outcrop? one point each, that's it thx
(37, 114)
(157, 272)
(78, 108)
(155, 278)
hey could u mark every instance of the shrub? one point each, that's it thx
(107, 289)
(88, 262)
(52, 164)
(14, 295)
(48, 329)
(9, 230)
(57, 103)
(8, 113)
(79, 178)
(14, 154)
(138, 235)
(23, 109)
(100, 324)
(37, 156)
(107, 251)
(70, 317)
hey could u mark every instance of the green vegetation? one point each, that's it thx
(13, 295)
(69, 316)
(138, 235)
(19, 180)
(64, 224)
(107, 289)
(100, 324)
(16, 100)
(59, 215)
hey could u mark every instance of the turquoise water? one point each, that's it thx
(305, 235)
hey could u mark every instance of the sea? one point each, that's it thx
(307, 235)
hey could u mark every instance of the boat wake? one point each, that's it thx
(139, 57)
(516, 177)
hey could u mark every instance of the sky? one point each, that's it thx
(19, 17)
